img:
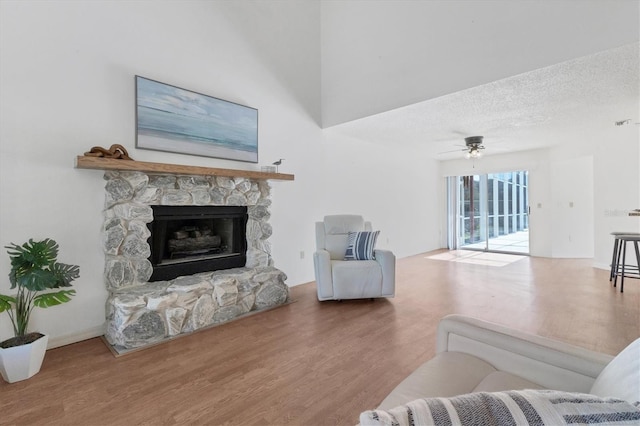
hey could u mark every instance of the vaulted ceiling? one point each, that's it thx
(523, 74)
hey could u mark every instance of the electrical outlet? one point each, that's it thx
(539, 205)
(570, 203)
(302, 254)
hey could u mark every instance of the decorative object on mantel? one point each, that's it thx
(34, 268)
(277, 164)
(173, 119)
(115, 151)
(103, 163)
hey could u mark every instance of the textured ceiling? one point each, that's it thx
(536, 109)
(385, 54)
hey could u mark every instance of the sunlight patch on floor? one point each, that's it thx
(516, 242)
(477, 257)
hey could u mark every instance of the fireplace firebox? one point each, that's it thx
(186, 240)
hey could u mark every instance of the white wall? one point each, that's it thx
(616, 185)
(396, 189)
(67, 83)
(572, 224)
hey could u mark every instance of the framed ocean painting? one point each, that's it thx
(172, 119)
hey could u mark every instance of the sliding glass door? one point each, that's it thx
(492, 212)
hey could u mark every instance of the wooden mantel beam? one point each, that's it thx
(102, 163)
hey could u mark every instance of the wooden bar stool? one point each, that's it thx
(619, 267)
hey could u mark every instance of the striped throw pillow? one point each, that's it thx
(361, 245)
(525, 407)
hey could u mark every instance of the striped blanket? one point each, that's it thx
(527, 407)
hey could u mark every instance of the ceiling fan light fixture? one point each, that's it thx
(474, 145)
(473, 153)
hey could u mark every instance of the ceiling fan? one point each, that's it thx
(473, 148)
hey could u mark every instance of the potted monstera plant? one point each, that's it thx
(36, 274)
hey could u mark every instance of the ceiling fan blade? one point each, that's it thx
(448, 152)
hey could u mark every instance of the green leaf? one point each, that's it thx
(64, 274)
(46, 300)
(34, 266)
(33, 254)
(37, 279)
(29, 261)
(6, 302)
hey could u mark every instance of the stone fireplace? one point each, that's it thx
(146, 304)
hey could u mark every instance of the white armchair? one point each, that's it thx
(338, 279)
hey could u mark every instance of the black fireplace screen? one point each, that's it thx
(190, 239)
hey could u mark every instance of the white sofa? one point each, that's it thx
(478, 356)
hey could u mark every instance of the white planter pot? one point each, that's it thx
(22, 362)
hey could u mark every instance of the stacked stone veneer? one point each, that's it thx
(141, 312)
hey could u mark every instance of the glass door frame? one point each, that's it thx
(502, 209)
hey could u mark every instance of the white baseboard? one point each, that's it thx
(601, 266)
(55, 342)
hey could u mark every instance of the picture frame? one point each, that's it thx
(173, 119)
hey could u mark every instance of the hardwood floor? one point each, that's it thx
(312, 363)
